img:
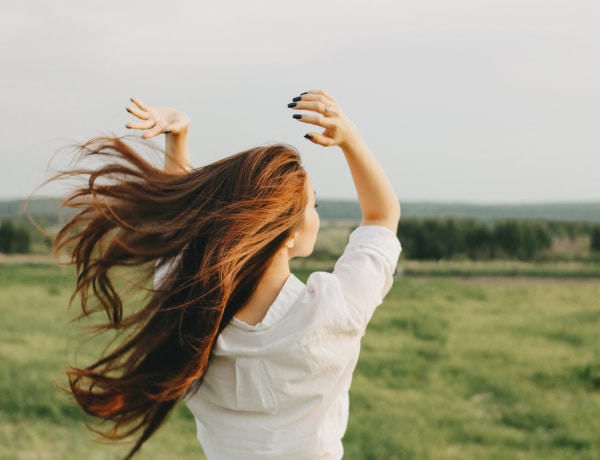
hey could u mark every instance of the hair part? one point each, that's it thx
(215, 230)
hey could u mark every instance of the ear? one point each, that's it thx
(291, 241)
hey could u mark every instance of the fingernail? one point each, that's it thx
(297, 116)
(291, 105)
(305, 92)
(308, 136)
(128, 109)
(168, 131)
(296, 99)
(127, 127)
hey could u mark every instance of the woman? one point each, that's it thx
(263, 361)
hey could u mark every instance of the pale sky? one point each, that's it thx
(487, 101)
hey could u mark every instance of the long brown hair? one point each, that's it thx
(216, 229)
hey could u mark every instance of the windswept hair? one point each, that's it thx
(213, 230)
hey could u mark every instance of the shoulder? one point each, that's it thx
(372, 242)
(375, 236)
(322, 282)
(366, 269)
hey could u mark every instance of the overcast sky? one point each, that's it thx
(489, 101)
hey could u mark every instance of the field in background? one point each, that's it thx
(478, 369)
(450, 368)
(495, 361)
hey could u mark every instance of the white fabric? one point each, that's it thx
(279, 389)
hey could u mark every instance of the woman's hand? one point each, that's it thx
(324, 111)
(378, 201)
(172, 123)
(157, 120)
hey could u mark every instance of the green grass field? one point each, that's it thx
(451, 368)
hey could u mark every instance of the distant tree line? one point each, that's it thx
(457, 238)
(15, 238)
(595, 239)
(422, 238)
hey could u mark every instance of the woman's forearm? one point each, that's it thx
(378, 201)
(177, 156)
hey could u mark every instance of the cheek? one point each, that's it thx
(315, 222)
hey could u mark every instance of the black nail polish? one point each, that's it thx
(296, 99)
(305, 92)
(127, 108)
(291, 105)
(308, 136)
(297, 116)
(168, 131)
(127, 127)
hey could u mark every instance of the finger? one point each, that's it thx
(319, 96)
(137, 113)
(319, 92)
(319, 107)
(146, 124)
(139, 103)
(317, 120)
(155, 131)
(320, 139)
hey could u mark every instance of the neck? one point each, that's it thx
(267, 289)
(279, 266)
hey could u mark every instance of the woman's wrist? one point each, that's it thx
(177, 159)
(178, 131)
(355, 147)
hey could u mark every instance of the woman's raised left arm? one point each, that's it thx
(155, 121)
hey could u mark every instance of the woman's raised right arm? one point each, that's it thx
(170, 122)
(378, 201)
